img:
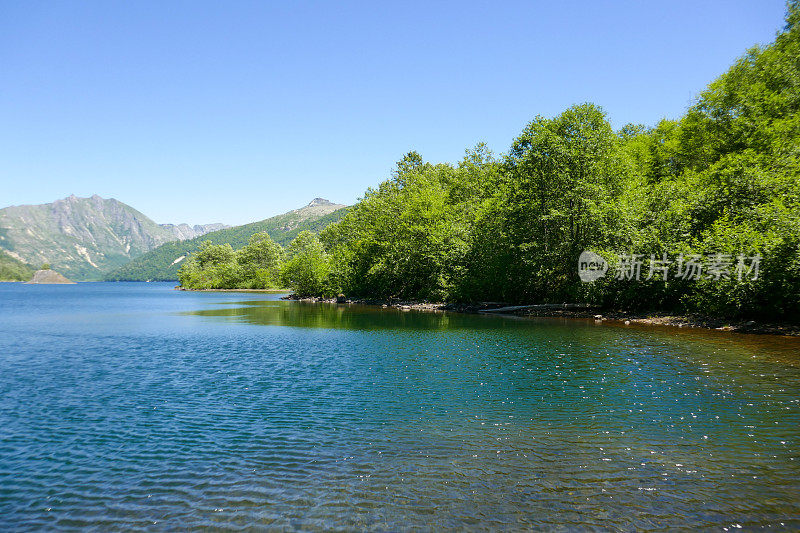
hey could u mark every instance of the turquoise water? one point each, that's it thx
(133, 406)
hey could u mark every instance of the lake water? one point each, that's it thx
(127, 406)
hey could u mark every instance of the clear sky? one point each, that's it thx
(235, 111)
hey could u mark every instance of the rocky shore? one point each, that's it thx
(577, 311)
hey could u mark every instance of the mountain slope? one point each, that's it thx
(162, 264)
(12, 269)
(83, 237)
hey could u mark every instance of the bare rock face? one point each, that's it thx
(184, 232)
(49, 277)
(316, 208)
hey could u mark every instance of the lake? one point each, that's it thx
(131, 406)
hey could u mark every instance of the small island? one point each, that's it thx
(46, 276)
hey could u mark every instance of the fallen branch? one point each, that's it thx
(513, 308)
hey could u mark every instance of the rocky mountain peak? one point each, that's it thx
(319, 201)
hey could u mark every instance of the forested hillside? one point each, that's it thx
(698, 215)
(13, 270)
(162, 263)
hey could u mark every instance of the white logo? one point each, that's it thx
(591, 266)
(719, 266)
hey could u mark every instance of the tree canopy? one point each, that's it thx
(720, 184)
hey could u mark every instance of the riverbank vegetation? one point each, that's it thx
(722, 181)
(163, 263)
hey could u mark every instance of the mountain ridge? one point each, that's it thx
(85, 237)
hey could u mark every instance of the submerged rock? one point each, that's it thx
(48, 276)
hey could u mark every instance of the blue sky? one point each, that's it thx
(235, 111)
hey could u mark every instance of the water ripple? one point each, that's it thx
(142, 409)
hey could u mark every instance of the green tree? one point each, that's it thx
(307, 266)
(260, 262)
(213, 266)
(556, 198)
(724, 179)
(408, 238)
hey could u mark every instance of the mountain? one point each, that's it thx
(12, 269)
(162, 264)
(184, 232)
(85, 237)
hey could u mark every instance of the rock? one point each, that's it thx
(49, 277)
(627, 322)
(598, 317)
(341, 299)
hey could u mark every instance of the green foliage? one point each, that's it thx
(559, 186)
(218, 266)
(724, 179)
(409, 237)
(12, 269)
(163, 263)
(260, 262)
(307, 268)
(45, 266)
(213, 266)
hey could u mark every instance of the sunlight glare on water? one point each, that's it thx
(132, 406)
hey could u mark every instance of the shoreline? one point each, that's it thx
(577, 311)
(572, 311)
